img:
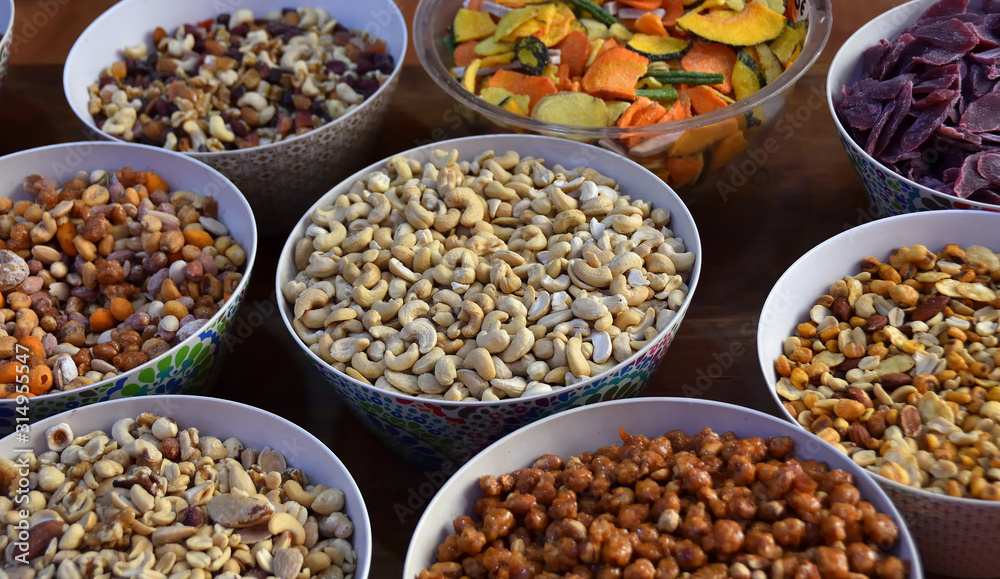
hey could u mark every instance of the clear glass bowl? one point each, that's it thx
(723, 173)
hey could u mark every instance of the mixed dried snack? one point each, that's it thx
(487, 278)
(152, 499)
(103, 273)
(899, 367)
(239, 81)
(632, 63)
(928, 103)
(708, 505)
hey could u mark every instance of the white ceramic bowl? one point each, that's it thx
(7, 38)
(254, 427)
(955, 535)
(586, 429)
(280, 179)
(434, 434)
(890, 192)
(186, 367)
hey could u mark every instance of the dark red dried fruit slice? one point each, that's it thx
(989, 167)
(951, 34)
(970, 180)
(983, 114)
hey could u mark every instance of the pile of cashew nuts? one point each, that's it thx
(490, 278)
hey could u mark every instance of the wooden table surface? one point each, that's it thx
(801, 194)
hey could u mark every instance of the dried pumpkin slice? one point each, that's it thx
(524, 22)
(503, 98)
(753, 25)
(747, 77)
(490, 46)
(571, 108)
(472, 25)
(659, 47)
(789, 43)
(768, 62)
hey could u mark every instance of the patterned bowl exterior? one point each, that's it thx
(440, 436)
(890, 195)
(283, 179)
(956, 537)
(7, 40)
(185, 368)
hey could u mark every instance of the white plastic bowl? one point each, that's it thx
(588, 428)
(955, 535)
(254, 427)
(186, 367)
(890, 192)
(280, 179)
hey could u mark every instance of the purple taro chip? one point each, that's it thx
(944, 8)
(970, 181)
(983, 114)
(951, 35)
(989, 167)
(928, 105)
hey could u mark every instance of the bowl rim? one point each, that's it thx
(93, 28)
(767, 365)
(839, 64)
(820, 26)
(916, 566)
(239, 407)
(251, 254)
(289, 249)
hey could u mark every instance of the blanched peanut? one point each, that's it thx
(467, 274)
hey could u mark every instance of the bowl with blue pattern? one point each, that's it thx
(890, 192)
(436, 434)
(186, 367)
(7, 39)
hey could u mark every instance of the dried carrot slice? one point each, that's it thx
(574, 50)
(651, 24)
(705, 99)
(465, 53)
(614, 74)
(535, 87)
(674, 9)
(685, 170)
(676, 112)
(627, 118)
(711, 57)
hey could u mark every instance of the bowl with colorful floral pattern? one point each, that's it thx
(561, 281)
(142, 310)
(914, 97)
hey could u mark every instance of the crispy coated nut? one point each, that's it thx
(620, 508)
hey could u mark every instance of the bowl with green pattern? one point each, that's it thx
(181, 361)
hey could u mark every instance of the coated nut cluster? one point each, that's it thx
(103, 273)
(484, 279)
(237, 81)
(704, 506)
(899, 367)
(153, 500)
